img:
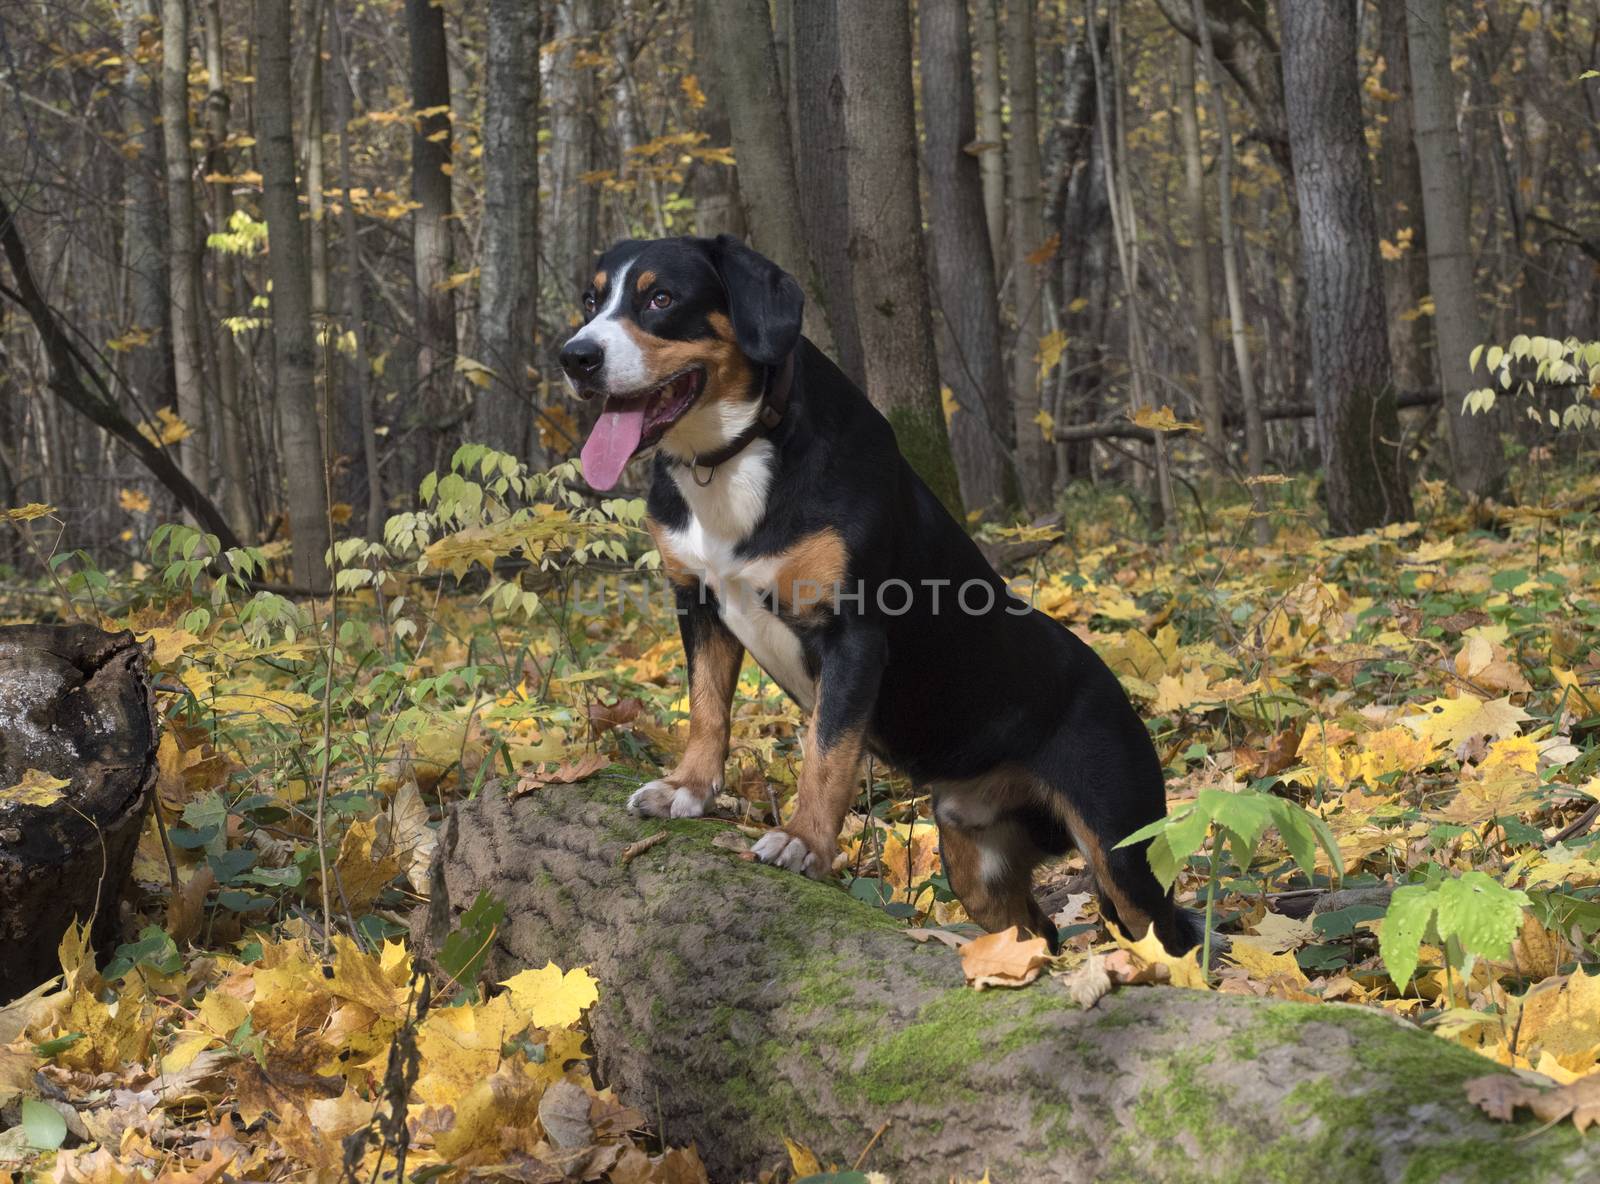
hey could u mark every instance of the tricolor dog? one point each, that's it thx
(791, 527)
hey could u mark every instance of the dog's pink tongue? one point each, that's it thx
(612, 442)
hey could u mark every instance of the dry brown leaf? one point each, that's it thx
(566, 773)
(1499, 1095)
(954, 940)
(1004, 959)
(1090, 982)
(186, 907)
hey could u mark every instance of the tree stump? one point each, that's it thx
(75, 704)
(739, 1004)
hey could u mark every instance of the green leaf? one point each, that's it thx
(468, 944)
(44, 1125)
(1481, 913)
(1404, 926)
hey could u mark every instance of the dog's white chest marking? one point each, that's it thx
(722, 514)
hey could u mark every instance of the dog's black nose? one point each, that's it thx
(580, 359)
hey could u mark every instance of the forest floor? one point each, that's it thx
(1428, 695)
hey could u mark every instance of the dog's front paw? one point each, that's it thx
(662, 799)
(782, 849)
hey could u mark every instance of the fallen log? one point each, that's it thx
(739, 1004)
(75, 705)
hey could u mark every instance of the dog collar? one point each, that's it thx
(774, 403)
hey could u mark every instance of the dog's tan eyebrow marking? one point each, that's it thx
(599, 281)
(646, 278)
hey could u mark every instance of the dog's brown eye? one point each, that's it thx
(588, 302)
(660, 300)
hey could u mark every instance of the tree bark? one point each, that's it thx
(1358, 431)
(1255, 428)
(572, 149)
(740, 1004)
(149, 368)
(888, 275)
(294, 346)
(1477, 459)
(1034, 457)
(717, 209)
(311, 121)
(821, 157)
(229, 420)
(991, 125)
(1194, 204)
(963, 268)
(430, 231)
(509, 285)
(182, 270)
(74, 704)
(741, 32)
(1400, 205)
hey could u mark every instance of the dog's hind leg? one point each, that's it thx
(989, 849)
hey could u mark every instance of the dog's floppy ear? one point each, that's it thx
(765, 302)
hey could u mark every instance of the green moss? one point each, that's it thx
(925, 444)
(921, 1060)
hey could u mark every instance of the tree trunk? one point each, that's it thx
(1400, 206)
(818, 101)
(717, 209)
(509, 286)
(149, 368)
(228, 422)
(741, 32)
(963, 268)
(294, 347)
(740, 1004)
(75, 705)
(358, 377)
(437, 413)
(1034, 456)
(991, 126)
(1357, 428)
(184, 291)
(1255, 428)
(888, 275)
(1194, 204)
(1476, 457)
(573, 102)
(311, 121)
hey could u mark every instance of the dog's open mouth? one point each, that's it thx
(634, 421)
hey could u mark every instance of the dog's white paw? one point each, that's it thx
(782, 849)
(659, 799)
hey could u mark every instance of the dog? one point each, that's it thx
(791, 527)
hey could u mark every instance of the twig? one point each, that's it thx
(635, 849)
(876, 1135)
(1577, 826)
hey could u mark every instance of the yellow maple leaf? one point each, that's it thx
(1391, 750)
(551, 998)
(366, 863)
(1177, 694)
(37, 788)
(1047, 424)
(29, 512)
(1148, 950)
(1453, 722)
(947, 400)
(690, 85)
(1051, 347)
(134, 501)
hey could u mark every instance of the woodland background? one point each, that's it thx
(1255, 341)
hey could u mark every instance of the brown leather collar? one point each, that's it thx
(774, 403)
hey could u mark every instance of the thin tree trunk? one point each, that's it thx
(1034, 456)
(184, 294)
(430, 244)
(149, 368)
(1255, 427)
(890, 279)
(317, 226)
(991, 125)
(509, 285)
(358, 377)
(1400, 214)
(758, 115)
(1364, 478)
(1476, 456)
(963, 269)
(821, 158)
(572, 150)
(717, 209)
(228, 421)
(1194, 201)
(294, 348)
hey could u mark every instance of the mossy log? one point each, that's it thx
(739, 1004)
(74, 704)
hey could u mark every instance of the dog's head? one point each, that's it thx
(676, 337)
